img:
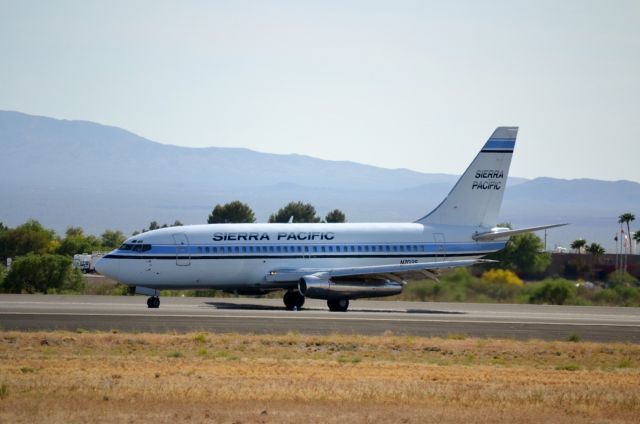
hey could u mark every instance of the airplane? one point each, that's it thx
(333, 262)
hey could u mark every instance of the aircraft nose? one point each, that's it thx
(108, 267)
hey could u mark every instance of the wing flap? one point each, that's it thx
(421, 269)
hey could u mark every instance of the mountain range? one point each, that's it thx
(85, 174)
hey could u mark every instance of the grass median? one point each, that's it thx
(62, 377)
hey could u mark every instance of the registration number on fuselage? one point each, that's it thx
(408, 261)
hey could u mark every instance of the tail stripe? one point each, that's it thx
(505, 145)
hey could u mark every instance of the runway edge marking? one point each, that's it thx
(326, 319)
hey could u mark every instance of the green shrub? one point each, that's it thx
(617, 279)
(573, 337)
(43, 274)
(552, 291)
(3, 274)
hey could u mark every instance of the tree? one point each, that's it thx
(234, 212)
(111, 239)
(42, 273)
(154, 225)
(636, 237)
(4, 242)
(3, 274)
(301, 212)
(578, 245)
(335, 215)
(76, 242)
(596, 250)
(627, 218)
(523, 254)
(28, 237)
(74, 231)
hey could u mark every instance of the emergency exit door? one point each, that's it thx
(441, 246)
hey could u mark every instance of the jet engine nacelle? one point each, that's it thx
(322, 288)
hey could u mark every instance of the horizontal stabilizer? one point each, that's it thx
(498, 233)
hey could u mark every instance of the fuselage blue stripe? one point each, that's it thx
(380, 255)
(402, 249)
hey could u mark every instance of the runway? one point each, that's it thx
(246, 315)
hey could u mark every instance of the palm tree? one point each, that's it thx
(596, 250)
(578, 245)
(627, 218)
(636, 237)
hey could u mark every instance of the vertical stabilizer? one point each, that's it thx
(476, 198)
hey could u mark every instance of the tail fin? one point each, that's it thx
(476, 198)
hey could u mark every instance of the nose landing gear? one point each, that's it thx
(153, 302)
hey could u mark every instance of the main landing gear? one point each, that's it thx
(293, 300)
(153, 302)
(338, 305)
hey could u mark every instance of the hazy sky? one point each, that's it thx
(399, 84)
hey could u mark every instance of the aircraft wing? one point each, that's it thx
(396, 272)
(493, 235)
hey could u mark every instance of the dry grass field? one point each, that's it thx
(64, 377)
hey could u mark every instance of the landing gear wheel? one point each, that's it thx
(153, 302)
(338, 305)
(293, 300)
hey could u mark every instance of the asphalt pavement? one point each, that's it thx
(253, 315)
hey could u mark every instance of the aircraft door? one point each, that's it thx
(183, 256)
(441, 247)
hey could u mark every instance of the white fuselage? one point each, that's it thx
(241, 256)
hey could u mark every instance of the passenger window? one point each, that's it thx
(306, 248)
(315, 248)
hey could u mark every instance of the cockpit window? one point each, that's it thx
(125, 246)
(141, 247)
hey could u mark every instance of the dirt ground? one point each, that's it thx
(64, 377)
